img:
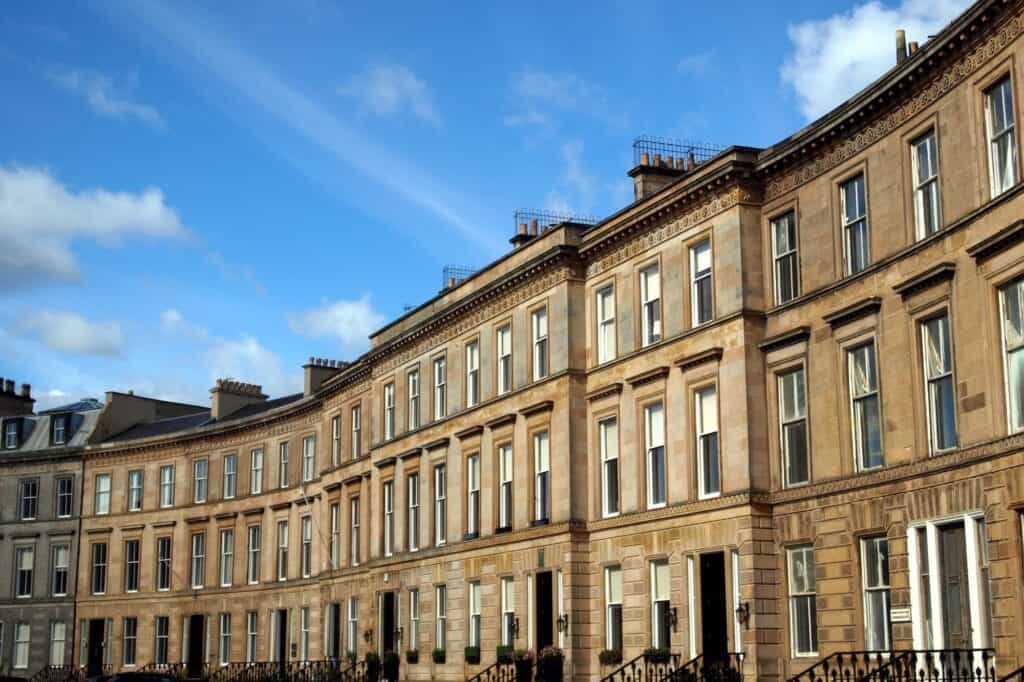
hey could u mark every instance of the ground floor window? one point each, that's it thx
(803, 601)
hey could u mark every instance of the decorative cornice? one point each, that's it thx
(106, 530)
(353, 479)
(163, 524)
(197, 519)
(280, 505)
(435, 444)
(223, 516)
(985, 248)
(854, 311)
(61, 531)
(132, 527)
(942, 272)
(255, 511)
(787, 338)
(501, 421)
(537, 408)
(614, 388)
(469, 433)
(386, 462)
(693, 360)
(331, 487)
(415, 452)
(648, 376)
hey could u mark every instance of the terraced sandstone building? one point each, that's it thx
(773, 407)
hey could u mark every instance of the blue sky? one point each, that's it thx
(194, 190)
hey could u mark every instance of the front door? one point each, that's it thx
(387, 622)
(544, 610)
(335, 647)
(282, 635)
(714, 632)
(196, 639)
(956, 605)
(94, 662)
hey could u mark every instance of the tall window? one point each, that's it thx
(388, 493)
(282, 465)
(308, 459)
(785, 256)
(28, 499)
(227, 557)
(650, 305)
(414, 620)
(282, 550)
(654, 438)
(99, 568)
(352, 636)
(65, 497)
(606, 324)
(412, 522)
(938, 372)
(304, 634)
(613, 608)
(59, 579)
(163, 564)
(866, 413)
(474, 614)
(539, 325)
(252, 632)
(505, 488)
(22, 642)
(24, 562)
(59, 429)
(608, 440)
(855, 225)
(101, 502)
(225, 639)
(700, 283)
(335, 440)
(924, 159)
(11, 428)
(256, 471)
(357, 426)
(793, 426)
(132, 554)
(661, 627)
(441, 621)
(1002, 136)
(413, 382)
(230, 476)
(1013, 347)
(472, 373)
(440, 388)
(167, 485)
(200, 471)
(508, 611)
(58, 642)
(252, 569)
(353, 512)
(335, 550)
(130, 632)
(504, 348)
(708, 472)
(440, 505)
(541, 478)
(389, 411)
(473, 496)
(803, 602)
(163, 632)
(135, 490)
(198, 560)
(874, 554)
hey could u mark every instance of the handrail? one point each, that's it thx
(642, 669)
(499, 671)
(1016, 676)
(58, 673)
(726, 667)
(908, 665)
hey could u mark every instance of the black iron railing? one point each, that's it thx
(59, 673)
(329, 670)
(710, 668)
(499, 671)
(179, 671)
(1016, 676)
(644, 668)
(932, 665)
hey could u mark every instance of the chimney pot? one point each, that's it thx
(9, 386)
(670, 162)
(913, 46)
(680, 164)
(522, 228)
(533, 226)
(691, 161)
(657, 159)
(26, 391)
(645, 159)
(901, 45)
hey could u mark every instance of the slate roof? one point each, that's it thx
(81, 406)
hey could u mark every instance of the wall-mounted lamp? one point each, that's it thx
(743, 613)
(368, 635)
(398, 635)
(515, 627)
(673, 618)
(563, 624)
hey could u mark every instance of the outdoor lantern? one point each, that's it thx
(673, 618)
(743, 612)
(563, 623)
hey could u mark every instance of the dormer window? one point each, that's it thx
(60, 427)
(12, 427)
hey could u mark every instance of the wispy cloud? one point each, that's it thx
(698, 64)
(261, 84)
(106, 97)
(40, 218)
(388, 89)
(172, 321)
(351, 322)
(831, 59)
(246, 359)
(67, 332)
(538, 94)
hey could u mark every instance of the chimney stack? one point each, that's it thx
(229, 396)
(533, 227)
(317, 371)
(913, 48)
(521, 237)
(13, 403)
(901, 45)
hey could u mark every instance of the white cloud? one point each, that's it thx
(173, 322)
(246, 359)
(351, 322)
(529, 117)
(537, 93)
(576, 175)
(833, 58)
(387, 89)
(698, 64)
(40, 219)
(67, 332)
(105, 97)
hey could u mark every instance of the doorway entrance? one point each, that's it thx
(956, 603)
(94, 653)
(196, 640)
(335, 641)
(713, 609)
(544, 608)
(388, 622)
(282, 635)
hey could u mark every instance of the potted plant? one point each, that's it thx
(372, 667)
(472, 654)
(657, 655)
(412, 656)
(610, 657)
(390, 665)
(504, 654)
(549, 664)
(524, 665)
(439, 656)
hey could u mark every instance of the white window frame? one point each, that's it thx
(282, 550)
(389, 410)
(65, 497)
(857, 427)
(357, 431)
(101, 499)
(412, 380)
(283, 457)
(441, 619)
(933, 382)
(135, 490)
(708, 445)
(440, 505)
(805, 591)
(335, 530)
(161, 651)
(605, 313)
(24, 577)
(998, 184)
(200, 478)
(352, 633)
(163, 562)
(414, 620)
(541, 354)
(506, 489)
(473, 495)
(227, 556)
(224, 648)
(304, 634)
(541, 477)
(659, 597)
(353, 516)
(503, 346)
(608, 443)
(472, 373)
(440, 387)
(474, 624)
(252, 631)
(1011, 302)
(793, 419)
(849, 224)
(336, 440)
(927, 190)
(611, 600)
(59, 573)
(58, 642)
(252, 565)
(698, 279)
(785, 253)
(256, 471)
(132, 564)
(508, 611)
(388, 506)
(28, 499)
(129, 640)
(413, 514)
(882, 587)
(198, 567)
(166, 486)
(654, 438)
(230, 476)
(308, 458)
(650, 305)
(98, 576)
(22, 645)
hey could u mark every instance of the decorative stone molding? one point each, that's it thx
(435, 444)
(942, 272)
(504, 419)
(695, 359)
(197, 519)
(787, 338)
(614, 388)
(386, 462)
(985, 248)
(223, 516)
(409, 454)
(537, 408)
(255, 511)
(280, 505)
(469, 433)
(854, 311)
(648, 376)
